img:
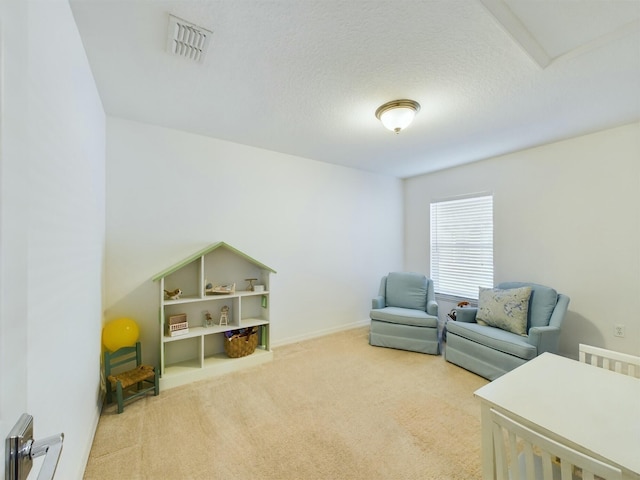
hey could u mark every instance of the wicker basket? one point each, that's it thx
(242, 344)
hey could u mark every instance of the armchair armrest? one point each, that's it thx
(545, 339)
(466, 314)
(560, 311)
(378, 302)
(432, 308)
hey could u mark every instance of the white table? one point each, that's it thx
(592, 410)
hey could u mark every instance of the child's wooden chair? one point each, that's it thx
(610, 360)
(541, 458)
(135, 382)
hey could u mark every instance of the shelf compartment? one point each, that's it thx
(218, 364)
(197, 332)
(213, 345)
(181, 367)
(186, 279)
(195, 312)
(183, 350)
(252, 307)
(226, 265)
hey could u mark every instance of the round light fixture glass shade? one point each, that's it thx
(397, 114)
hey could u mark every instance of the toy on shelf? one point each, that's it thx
(208, 319)
(173, 294)
(224, 315)
(177, 325)
(220, 289)
(250, 287)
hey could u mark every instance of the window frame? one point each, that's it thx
(471, 237)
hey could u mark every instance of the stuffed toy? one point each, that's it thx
(173, 294)
(452, 313)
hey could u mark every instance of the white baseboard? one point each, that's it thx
(95, 421)
(320, 333)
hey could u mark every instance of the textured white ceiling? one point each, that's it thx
(305, 77)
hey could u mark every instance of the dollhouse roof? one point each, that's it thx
(207, 250)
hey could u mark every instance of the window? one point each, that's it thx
(462, 245)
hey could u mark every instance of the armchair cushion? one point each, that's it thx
(405, 316)
(494, 338)
(407, 290)
(541, 305)
(504, 309)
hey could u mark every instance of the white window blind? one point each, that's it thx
(462, 245)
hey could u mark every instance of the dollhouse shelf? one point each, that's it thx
(199, 353)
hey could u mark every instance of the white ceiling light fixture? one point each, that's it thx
(186, 39)
(397, 114)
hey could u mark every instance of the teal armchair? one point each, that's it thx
(490, 351)
(404, 315)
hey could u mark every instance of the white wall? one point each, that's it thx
(330, 232)
(566, 215)
(53, 229)
(13, 221)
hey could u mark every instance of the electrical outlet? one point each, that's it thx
(618, 330)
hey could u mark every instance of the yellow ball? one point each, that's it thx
(122, 332)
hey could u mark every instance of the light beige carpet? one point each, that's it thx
(328, 408)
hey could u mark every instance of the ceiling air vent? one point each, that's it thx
(187, 40)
